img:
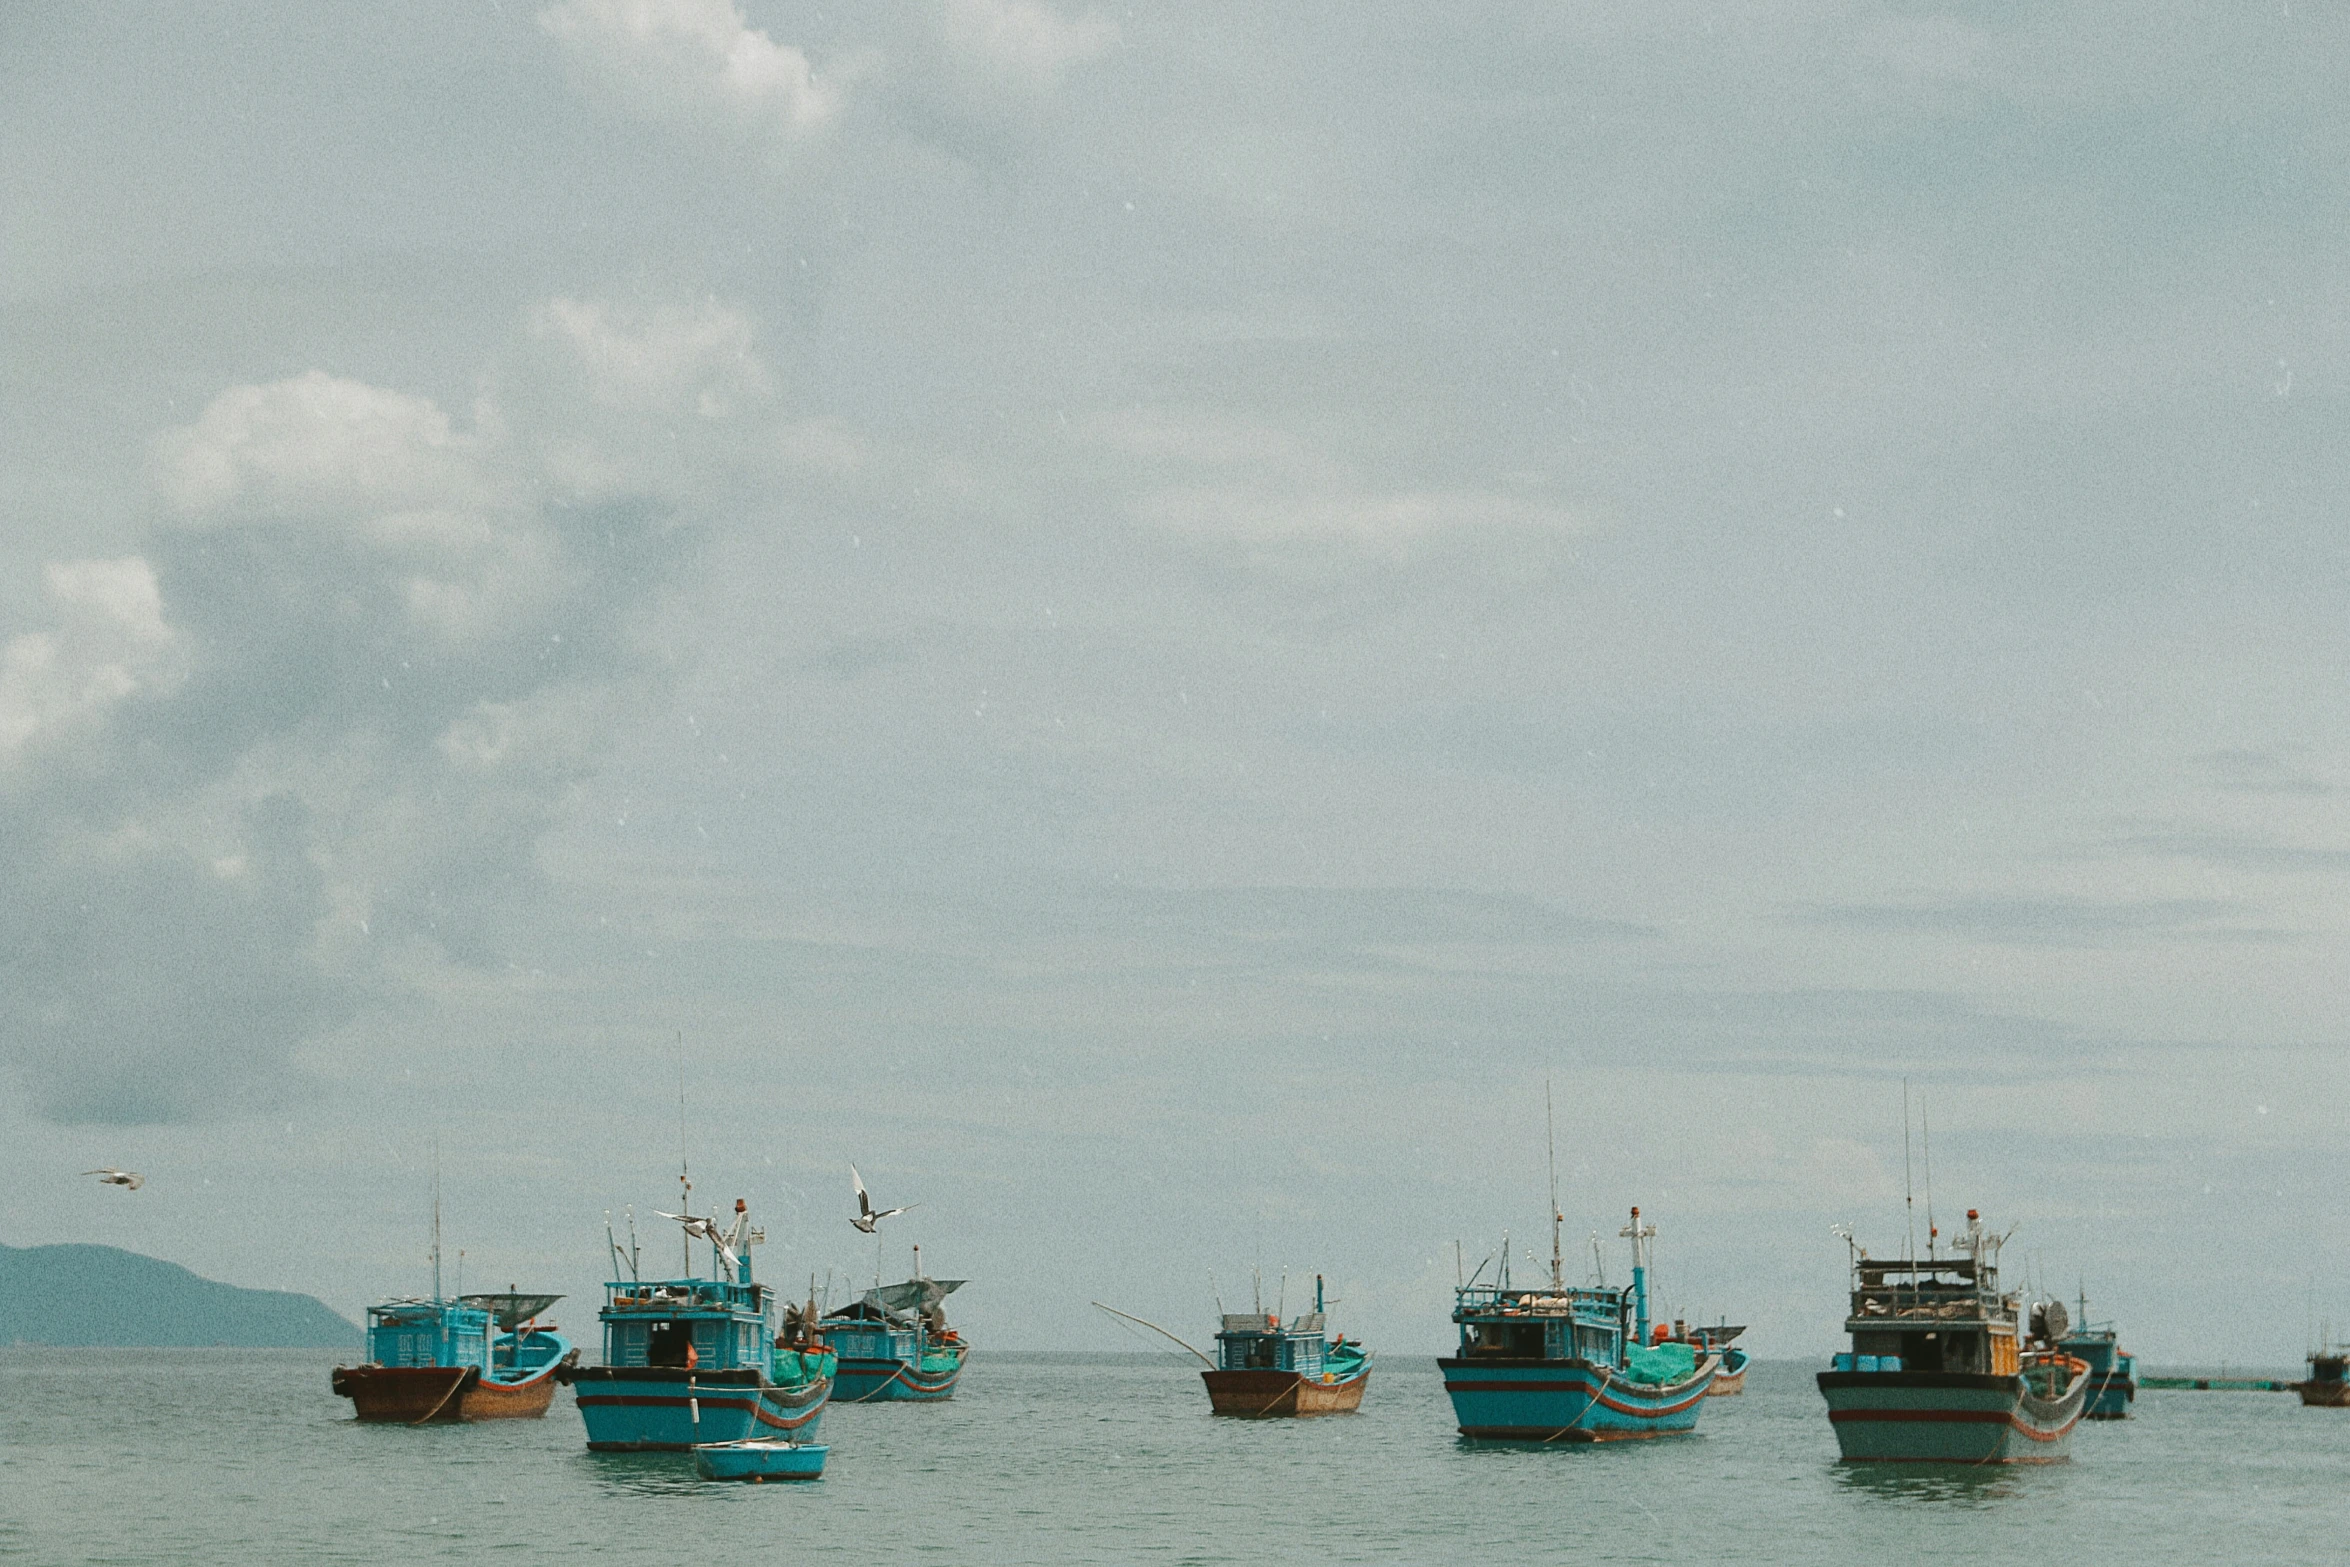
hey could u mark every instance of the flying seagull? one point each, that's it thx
(705, 1230)
(866, 1218)
(113, 1177)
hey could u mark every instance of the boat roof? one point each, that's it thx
(511, 1309)
(913, 1294)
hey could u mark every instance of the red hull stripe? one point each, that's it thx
(1991, 1417)
(1572, 1389)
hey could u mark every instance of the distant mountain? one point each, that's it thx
(86, 1295)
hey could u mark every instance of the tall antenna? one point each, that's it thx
(1926, 1136)
(1551, 1131)
(1909, 1208)
(436, 1216)
(685, 1178)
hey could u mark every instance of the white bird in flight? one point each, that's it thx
(866, 1218)
(113, 1177)
(707, 1230)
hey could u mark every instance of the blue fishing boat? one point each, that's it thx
(693, 1361)
(2113, 1371)
(1716, 1339)
(474, 1357)
(1267, 1367)
(894, 1342)
(1945, 1367)
(444, 1360)
(762, 1458)
(1557, 1363)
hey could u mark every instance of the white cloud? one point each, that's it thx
(666, 360)
(697, 64)
(367, 479)
(110, 643)
(315, 444)
(1023, 42)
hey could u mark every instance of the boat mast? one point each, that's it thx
(1551, 1131)
(1926, 1136)
(1909, 1198)
(1640, 1235)
(685, 1239)
(436, 1217)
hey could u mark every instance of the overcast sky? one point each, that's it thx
(1142, 620)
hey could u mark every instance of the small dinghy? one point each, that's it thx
(760, 1459)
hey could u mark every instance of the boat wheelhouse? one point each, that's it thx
(1940, 1370)
(691, 1361)
(2113, 1371)
(1266, 1367)
(894, 1342)
(1562, 1363)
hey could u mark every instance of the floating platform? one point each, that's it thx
(2218, 1384)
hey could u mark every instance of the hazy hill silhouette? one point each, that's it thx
(88, 1295)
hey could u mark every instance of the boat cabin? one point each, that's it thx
(1933, 1314)
(1262, 1342)
(710, 1324)
(428, 1333)
(869, 1331)
(1501, 1323)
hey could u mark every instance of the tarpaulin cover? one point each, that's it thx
(1660, 1364)
(793, 1368)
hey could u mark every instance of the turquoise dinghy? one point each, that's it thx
(693, 1361)
(1561, 1364)
(759, 1460)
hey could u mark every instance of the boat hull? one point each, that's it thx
(2323, 1395)
(649, 1409)
(1949, 1417)
(1730, 1381)
(760, 1460)
(1259, 1395)
(861, 1381)
(414, 1395)
(2110, 1395)
(1514, 1400)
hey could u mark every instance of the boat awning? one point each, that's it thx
(511, 1310)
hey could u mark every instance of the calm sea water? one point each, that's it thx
(243, 1456)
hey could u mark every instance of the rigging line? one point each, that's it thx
(1155, 1328)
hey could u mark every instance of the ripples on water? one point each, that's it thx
(242, 1456)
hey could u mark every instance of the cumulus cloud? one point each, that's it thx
(110, 642)
(298, 754)
(664, 360)
(693, 64)
(1022, 44)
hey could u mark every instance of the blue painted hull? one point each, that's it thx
(1568, 1401)
(757, 1461)
(631, 1409)
(880, 1381)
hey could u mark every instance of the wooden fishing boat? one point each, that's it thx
(2113, 1371)
(1265, 1368)
(761, 1458)
(894, 1343)
(1557, 1363)
(2325, 1388)
(1939, 1371)
(690, 1362)
(439, 1360)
